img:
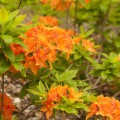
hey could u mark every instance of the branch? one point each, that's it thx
(2, 99)
(87, 71)
(87, 79)
(97, 81)
(16, 80)
(20, 2)
(100, 86)
(69, 67)
(116, 94)
(24, 109)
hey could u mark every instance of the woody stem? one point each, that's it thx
(20, 2)
(2, 98)
(24, 109)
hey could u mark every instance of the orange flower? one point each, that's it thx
(48, 108)
(43, 44)
(105, 106)
(30, 63)
(48, 21)
(87, 1)
(59, 4)
(55, 96)
(77, 40)
(17, 49)
(88, 45)
(8, 107)
(73, 95)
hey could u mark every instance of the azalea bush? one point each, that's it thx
(66, 52)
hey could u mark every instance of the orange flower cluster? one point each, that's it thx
(55, 95)
(58, 4)
(105, 106)
(8, 107)
(61, 4)
(87, 44)
(43, 45)
(48, 21)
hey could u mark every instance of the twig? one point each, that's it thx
(87, 79)
(87, 74)
(86, 71)
(116, 94)
(16, 80)
(69, 67)
(2, 98)
(24, 109)
(100, 86)
(76, 3)
(97, 81)
(108, 11)
(20, 2)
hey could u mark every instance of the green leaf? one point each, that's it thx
(68, 109)
(81, 83)
(70, 82)
(1, 117)
(89, 32)
(71, 110)
(3, 16)
(43, 72)
(24, 90)
(7, 39)
(80, 105)
(88, 97)
(14, 117)
(104, 75)
(1, 43)
(82, 30)
(77, 56)
(20, 42)
(13, 14)
(8, 52)
(18, 20)
(20, 67)
(19, 57)
(35, 92)
(4, 66)
(41, 87)
(67, 75)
